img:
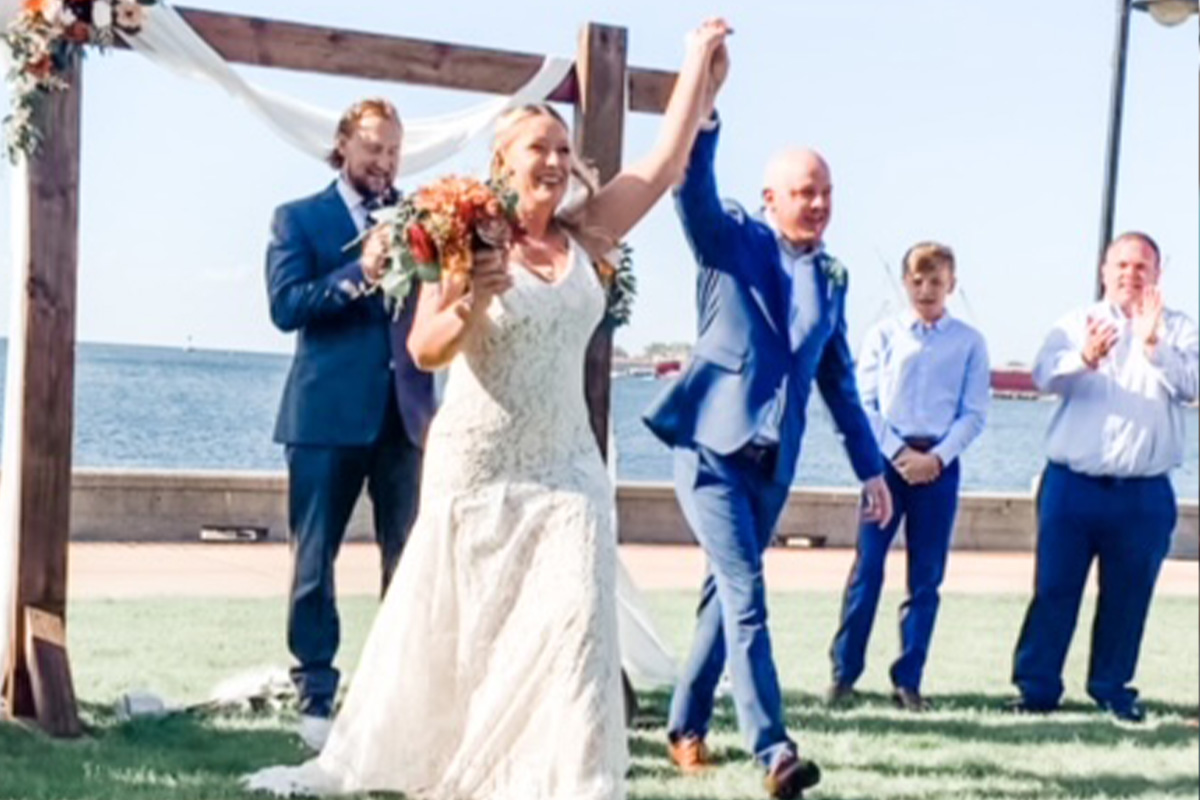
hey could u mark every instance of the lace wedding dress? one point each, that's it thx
(492, 670)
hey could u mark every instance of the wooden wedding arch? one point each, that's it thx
(601, 87)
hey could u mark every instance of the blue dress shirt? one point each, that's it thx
(925, 381)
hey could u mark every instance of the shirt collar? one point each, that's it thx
(1112, 310)
(350, 196)
(792, 250)
(913, 321)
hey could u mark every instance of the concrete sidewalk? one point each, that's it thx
(107, 570)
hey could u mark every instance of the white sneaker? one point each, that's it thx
(314, 731)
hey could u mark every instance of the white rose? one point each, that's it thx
(130, 16)
(102, 16)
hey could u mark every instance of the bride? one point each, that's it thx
(492, 670)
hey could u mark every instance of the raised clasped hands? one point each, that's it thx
(708, 42)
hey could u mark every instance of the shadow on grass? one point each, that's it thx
(1037, 785)
(985, 718)
(972, 716)
(201, 757)
(958, 719)
(182, 755)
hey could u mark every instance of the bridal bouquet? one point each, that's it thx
(435, 230)
(42, 40)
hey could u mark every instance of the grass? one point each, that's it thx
(967, 748)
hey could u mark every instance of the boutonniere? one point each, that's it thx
(835, 273)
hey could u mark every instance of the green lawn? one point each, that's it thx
(967, 748)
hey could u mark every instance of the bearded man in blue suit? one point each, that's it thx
(771, 313)
(355, 408)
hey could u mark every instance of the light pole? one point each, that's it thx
(1165, 12)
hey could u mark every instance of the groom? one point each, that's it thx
(355, 409)
(772, 319)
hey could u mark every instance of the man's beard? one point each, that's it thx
(366, 192)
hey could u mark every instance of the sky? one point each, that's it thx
(978, 124)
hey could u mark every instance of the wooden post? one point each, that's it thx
(47, 383)
(599, 125)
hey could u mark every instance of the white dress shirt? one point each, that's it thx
(355, 203)
(1125, 418)
(925, 381)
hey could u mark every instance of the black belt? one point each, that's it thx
(922, 444)
(762, 456)
(1111, 481)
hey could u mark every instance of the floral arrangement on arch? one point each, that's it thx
(43, 40)
(435, 230)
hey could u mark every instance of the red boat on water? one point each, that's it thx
(667, 369)
(1014, 382)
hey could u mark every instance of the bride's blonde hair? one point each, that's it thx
(584, 177)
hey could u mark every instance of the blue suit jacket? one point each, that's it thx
(742, 354)
(350, 353)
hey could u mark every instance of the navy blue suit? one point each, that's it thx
(732, 490)
(355, 410)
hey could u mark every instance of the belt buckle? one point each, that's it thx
(760, 455)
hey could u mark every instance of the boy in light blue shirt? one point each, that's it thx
(925, 383)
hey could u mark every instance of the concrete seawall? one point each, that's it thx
(162, 506)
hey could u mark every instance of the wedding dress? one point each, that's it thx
(492, 670)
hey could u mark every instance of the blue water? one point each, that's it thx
(166, 408)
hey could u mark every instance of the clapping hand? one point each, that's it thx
(917, 468)
(1147, 317)
(1101, 336)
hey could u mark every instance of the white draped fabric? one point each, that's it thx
(167, 40)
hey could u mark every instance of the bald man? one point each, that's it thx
(771, 305)
(1124, 370)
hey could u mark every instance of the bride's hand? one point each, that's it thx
(490, 276)
(708, 43)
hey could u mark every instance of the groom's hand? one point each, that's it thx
(876, 501)
(375, 254)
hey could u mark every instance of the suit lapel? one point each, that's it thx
(339, 229)
(773, 291)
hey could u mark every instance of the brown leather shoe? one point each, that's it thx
(690, 754)
(790, 776)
